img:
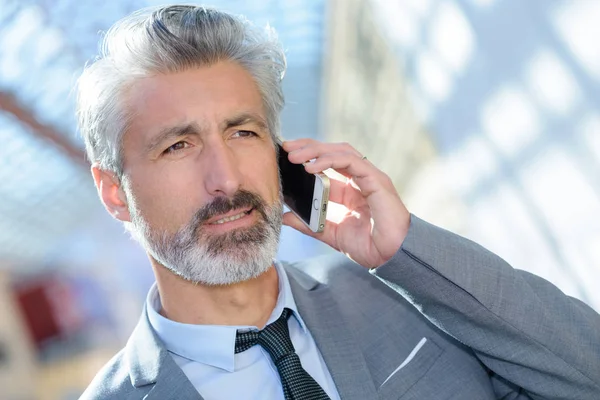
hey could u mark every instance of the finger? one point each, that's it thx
(344, 192)
(312, 149)
(327, 236)
(291, 220)
(363, 174)
(291, 145)
(337, 190)
(345, 163)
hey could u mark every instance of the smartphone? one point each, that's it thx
(306, 195)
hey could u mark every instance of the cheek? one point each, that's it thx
(164, 198)
(275, 178)
(260, 171)
(270, 174)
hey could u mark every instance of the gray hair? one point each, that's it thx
(167, 40)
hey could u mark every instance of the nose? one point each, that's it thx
(223, 176)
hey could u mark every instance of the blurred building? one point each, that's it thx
(17, 354)
(366, 102)
(365, 99)
(483, 114)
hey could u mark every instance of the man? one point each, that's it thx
(180, 118)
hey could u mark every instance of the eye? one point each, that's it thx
(177, 147)
(243, 134)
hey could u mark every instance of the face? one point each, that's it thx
(200, 174)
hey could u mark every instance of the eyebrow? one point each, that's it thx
(173, 132)
(245, 118)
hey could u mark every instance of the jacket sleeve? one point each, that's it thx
(535, 340)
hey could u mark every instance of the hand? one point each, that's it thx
(377, 221)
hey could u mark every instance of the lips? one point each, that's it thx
(243, 201)
(228, 217)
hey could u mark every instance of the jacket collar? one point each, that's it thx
(151, 364)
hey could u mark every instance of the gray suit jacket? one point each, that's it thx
(443, 319)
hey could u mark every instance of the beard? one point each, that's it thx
(214, 259)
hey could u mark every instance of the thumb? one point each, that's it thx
(291, 220)
(327, 236)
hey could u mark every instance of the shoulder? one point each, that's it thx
(111, 382)
(334, 270)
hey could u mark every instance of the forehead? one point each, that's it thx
(203, 96)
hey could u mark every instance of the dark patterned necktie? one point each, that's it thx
(275, 339)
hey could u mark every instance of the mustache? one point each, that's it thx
(221, 205)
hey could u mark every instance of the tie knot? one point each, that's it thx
(274, 338)
(297, 384)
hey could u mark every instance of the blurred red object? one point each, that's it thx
(49, 309)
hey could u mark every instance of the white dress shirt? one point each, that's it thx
(206, 353)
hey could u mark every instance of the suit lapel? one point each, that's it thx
(335, 340)
(151, 364)
(172, 384)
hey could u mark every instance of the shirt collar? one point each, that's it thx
(213, 344)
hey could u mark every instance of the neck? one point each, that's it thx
(246, 303)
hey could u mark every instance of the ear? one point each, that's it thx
(111, 193)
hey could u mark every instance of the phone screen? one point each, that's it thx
(298, 186)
